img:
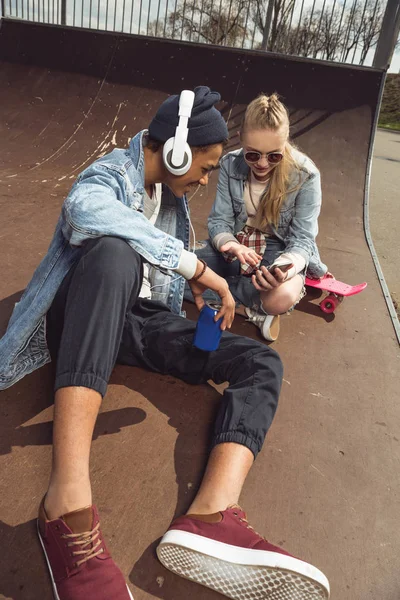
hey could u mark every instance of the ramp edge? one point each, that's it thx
(367, 230)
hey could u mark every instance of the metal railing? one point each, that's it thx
(337, 30)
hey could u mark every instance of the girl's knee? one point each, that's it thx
(279, 301)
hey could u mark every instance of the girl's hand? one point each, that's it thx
(264, 281)
(245, 255)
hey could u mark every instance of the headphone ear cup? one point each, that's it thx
(167, 158)
(167, 153)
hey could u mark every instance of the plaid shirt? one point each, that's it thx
(255, 240)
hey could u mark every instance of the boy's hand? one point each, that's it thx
(211, 281)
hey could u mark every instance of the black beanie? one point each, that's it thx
(206, 125)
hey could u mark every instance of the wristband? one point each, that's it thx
(197, 277)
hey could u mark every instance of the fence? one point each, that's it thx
(337, 30)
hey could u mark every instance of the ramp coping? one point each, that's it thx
(378, 268)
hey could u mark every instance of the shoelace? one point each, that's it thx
(255, 318)
(245, 521)
(85, 539)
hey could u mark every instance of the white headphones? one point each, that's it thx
(177, 155)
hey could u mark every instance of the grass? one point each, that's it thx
(389, 117)
(396, 305)
(395, 126)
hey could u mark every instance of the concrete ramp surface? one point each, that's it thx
(326, 484)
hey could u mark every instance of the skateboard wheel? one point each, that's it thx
(329, 304)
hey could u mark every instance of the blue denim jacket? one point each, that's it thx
(105, 200)
(298, 219)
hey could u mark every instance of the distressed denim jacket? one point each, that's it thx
(105, 200)
(298, 219)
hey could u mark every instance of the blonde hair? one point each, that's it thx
(268, 112)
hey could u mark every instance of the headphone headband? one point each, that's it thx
(186, 101)
(177, 155)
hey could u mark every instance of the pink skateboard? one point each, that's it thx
(337, 290)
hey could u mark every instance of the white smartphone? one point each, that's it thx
(284, 267)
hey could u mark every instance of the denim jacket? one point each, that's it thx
(105, 200)
(298, 219)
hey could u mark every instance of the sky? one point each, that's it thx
(395, 64)
(132, 16)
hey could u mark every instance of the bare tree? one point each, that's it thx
(156, 28)
(318, 35)
(370, 29)
(361, 29)
(221, 23)
(273, 17)
(337, 32)
(305, 40)
(331, 34)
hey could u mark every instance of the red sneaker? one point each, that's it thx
(222, 552)
(80, 565)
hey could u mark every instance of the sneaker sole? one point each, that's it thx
(56, 596)
(271, 333)
(240, 573)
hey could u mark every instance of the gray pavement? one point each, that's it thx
(385, 207)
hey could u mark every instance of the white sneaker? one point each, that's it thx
(269, 325)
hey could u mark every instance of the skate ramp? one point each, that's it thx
(325, 484)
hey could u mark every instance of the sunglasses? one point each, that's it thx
(252, 156)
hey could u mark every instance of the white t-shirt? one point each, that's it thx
(188, 260)
(253, 191)
(151, 208)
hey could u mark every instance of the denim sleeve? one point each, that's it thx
(95, 208)
(222, 216)
(303, 228)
